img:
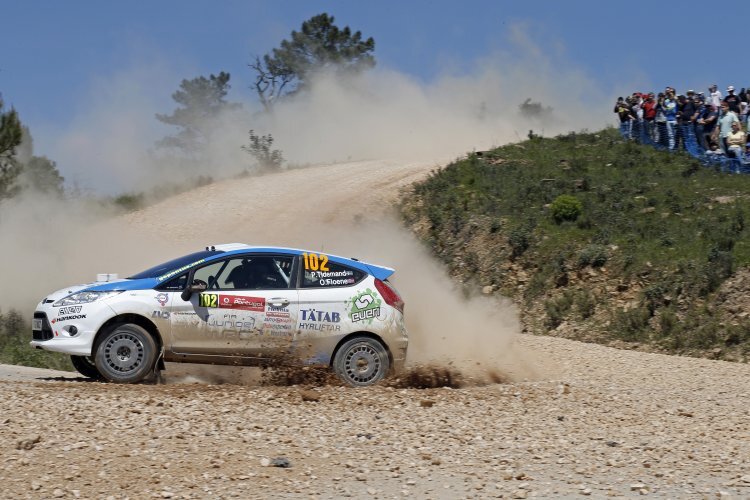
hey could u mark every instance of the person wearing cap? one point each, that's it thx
(625, 113)
(697, 127)
(715, 95)
(733, 100)
(649, 114)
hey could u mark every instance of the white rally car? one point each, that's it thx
(234, 305)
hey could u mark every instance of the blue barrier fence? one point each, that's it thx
(675, 137)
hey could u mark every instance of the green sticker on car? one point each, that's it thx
(364, 307)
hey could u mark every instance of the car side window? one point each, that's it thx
(334, 275)
(247, 272)
(174, 284)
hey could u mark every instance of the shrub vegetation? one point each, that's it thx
(559, 209)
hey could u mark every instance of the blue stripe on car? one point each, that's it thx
(378, 272)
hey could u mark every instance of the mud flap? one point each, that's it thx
(158, 367)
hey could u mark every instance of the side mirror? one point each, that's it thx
(195, 286)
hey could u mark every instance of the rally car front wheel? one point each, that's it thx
(361, 361)
(85, 366)
(125, 354)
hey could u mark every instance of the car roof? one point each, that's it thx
(228, 249)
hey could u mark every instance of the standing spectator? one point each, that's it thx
(636, 101)
(686, 113)
(736, 142)
(715, 95)
(670, 113)
(661, 121)
(649, 115)
(708, 123)
(744, 105)
(733, 100)
(625, 113)
(726, 119)
(700, 110)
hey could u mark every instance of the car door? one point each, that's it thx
(326, 291)
(249, 307)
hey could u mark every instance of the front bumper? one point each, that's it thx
(71, 334)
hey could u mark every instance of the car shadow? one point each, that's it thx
(66, 379)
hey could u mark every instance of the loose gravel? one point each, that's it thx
(608, 423)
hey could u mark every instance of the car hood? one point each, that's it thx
(98, 286)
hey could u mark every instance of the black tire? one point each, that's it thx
(125, 354)
(361, 361)
(85, 366)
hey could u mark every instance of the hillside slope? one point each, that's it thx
(598, 239)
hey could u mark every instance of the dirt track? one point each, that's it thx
(612, 423)
(597, 422)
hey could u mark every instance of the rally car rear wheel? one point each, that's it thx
(361, 361)
(125, 354)
(85, 366)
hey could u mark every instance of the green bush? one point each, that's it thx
(566, 207)
(585, 303)
(557, 309)
(15, 334)
(631, 325)
(519, 240)
(592, 255)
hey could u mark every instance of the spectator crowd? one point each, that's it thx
(708, 125)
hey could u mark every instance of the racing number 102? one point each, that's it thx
(315, 262)
(209, 300)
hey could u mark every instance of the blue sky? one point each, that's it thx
(57, 55)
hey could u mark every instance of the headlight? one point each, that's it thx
(84, 298)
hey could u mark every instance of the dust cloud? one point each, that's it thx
(455, 337)
(448, 326)
(49, 243)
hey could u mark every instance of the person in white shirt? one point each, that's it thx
(715, 96)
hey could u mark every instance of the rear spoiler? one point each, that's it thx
(380, 272)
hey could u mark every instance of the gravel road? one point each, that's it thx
(609, 423)
(594, 421)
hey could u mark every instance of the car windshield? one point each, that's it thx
(178, 263)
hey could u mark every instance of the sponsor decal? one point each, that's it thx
(277, 320)
(160, 314)
(320, 327)
(69, 318)
(63, 311)
(178, 271)
(257, 304)
(162, 299)
(320, 316)
(312, 319)
(365, 306)
(315, 262)
(187, 318)
(230, 322)
(277, 326)
(277, 312)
